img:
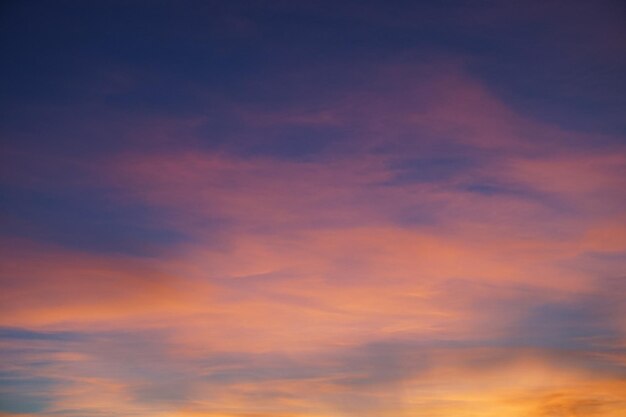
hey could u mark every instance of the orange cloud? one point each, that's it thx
(348, 284)
(48, 286)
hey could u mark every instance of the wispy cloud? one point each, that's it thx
(345, 236)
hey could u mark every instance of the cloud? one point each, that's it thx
(49, 285)
(441, 254)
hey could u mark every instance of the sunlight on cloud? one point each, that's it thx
(404, 243)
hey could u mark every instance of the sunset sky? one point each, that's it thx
(313, 208)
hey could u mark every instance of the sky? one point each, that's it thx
(313, 208)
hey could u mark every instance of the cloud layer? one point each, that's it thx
(354, 237)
